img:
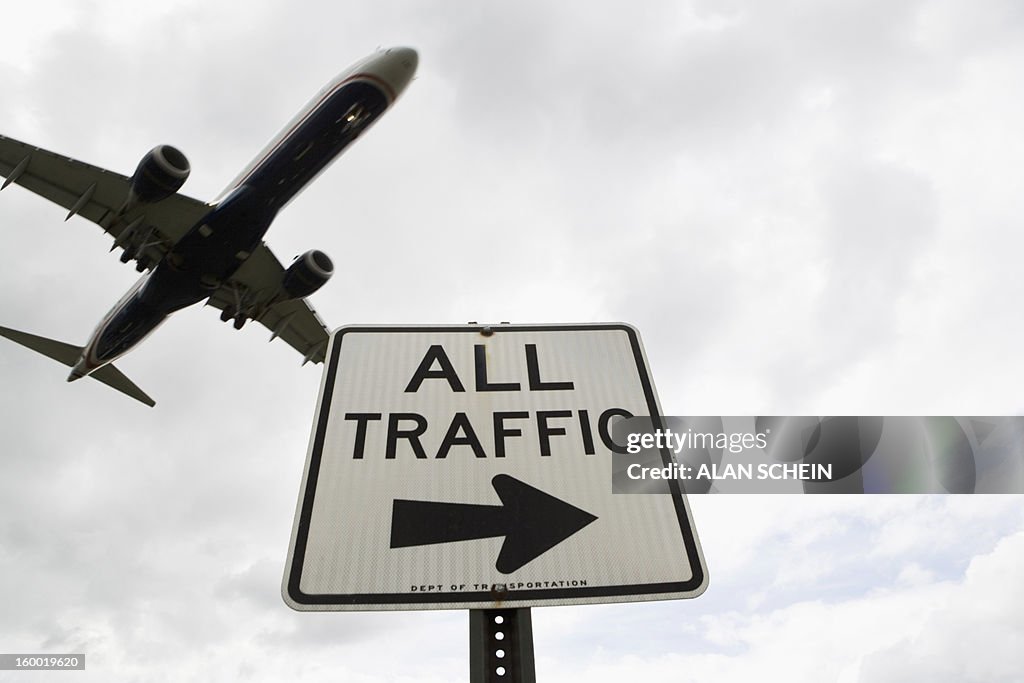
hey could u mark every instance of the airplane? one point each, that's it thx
(193, 250)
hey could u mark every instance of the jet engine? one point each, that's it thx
(307, 274)
(160, 174)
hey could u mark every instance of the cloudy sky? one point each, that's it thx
(805, 207)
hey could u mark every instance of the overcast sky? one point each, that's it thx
(805, 207)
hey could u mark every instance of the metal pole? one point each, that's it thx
(501, 646)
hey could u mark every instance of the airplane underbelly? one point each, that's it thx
(128, 326)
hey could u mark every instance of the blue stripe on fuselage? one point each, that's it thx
(315, 143)
(211, 249)
(238, 223)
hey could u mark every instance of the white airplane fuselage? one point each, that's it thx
(218, 244)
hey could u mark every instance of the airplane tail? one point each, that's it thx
(69, 354)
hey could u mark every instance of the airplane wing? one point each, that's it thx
(146, 231)
(256, 291)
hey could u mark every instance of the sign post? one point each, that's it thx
(501, 646)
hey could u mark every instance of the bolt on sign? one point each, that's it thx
(455, 467)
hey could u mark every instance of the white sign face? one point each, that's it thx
(469, 467)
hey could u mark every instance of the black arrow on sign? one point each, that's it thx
(531, 521)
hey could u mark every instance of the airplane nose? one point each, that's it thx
(396, 66)
(407, 58)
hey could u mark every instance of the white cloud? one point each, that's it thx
(975, 632)
(967, 628)
(806, 208)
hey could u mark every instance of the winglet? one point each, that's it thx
(68, 355)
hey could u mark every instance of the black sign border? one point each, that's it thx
(455, 600)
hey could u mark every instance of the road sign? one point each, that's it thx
(471, 467)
